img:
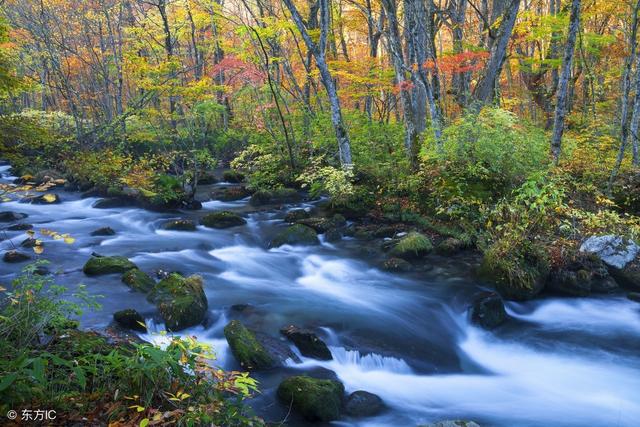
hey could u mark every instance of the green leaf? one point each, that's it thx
(7, 380)
(144, 422)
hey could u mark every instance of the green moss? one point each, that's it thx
(180, 225)
(107, 265)
(245, 347)
(138, 280)
(181, 301)
(322, 225)
(295, 235)
(518, 271)
(314, 399)
(233, 176)
(413, 245)
(222, 219)
(131, 319)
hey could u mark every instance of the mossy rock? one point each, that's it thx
(397, 265)
(246, 348)
(222, 219)
(97, 266)
(130, 319)
(180, 225)
(296, 215)
(274, 197)
(181, 301)
(450, 246)
(75, 343)
(297, 234)
(413, 245)
(314, 399)
(232, 176)
(518, 272)
(322, 225)
(231, 194)
(138, 280)
(104, 231)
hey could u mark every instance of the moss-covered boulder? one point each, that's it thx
(181, 301)
(488, 310)
(99, 265)
(296, 215)
(246, 348)
(232, 176)
(297, 234)
(275, 197)
(130, 319)
(180, 225)
(222, 219)
(138, 280)
(413, 245)
(450, 246)
(322, 225)
(361, 404)
(518, 271)
(314, 399)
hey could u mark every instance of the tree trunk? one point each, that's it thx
(563, 84)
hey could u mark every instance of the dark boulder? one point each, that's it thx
(322, 225)
(314, 399)
(180, 225)
(130, 319)
(114, 202)
(307, 342)
(104, 231)
(15, 257)
(30, 242)
(222, 219)
(361, 404)
(634, 296)
(8, 216)
(488, 310)
(581, 275)
(44, 199)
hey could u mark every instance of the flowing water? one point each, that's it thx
(407, 338)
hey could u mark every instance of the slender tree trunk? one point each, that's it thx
(319, 53)
(563, 85)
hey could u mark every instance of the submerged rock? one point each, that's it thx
(20, 227)
(275, 197)
(9, 216)
(246, 348)
(363, 404)
(113, 202)
(30, 242)
(107, 265)
(488, 310)
(104, 231)
(130, 319)
(180, 225)
(615, 251)
(181, 301)
(634, 296)
(138, 280)
(314, 399)
(297, 234)
(308, 342)
(413, 245)
(14, 257)
(222, 219)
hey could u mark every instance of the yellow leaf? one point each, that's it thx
(38, 249)
(69, 240)
(49, 198)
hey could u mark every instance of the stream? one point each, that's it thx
(405, 337)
